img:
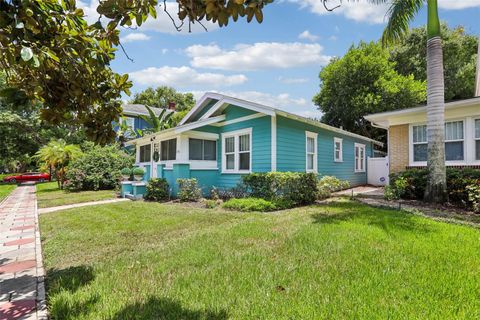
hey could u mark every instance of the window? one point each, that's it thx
(454, 141)
(199, 149)
(168, 149)
(359, 157)
(145, 153)
(477, 139)
(420, 144)
(311, 152)
(130, 122)
(338, 149)
(237, 154)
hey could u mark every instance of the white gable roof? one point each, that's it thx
(223, 101)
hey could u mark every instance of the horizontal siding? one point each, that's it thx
(206, 179)
(291, 144)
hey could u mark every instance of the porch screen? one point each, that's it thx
(168, 150)
(199, 149)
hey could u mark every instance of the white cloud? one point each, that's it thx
(308, 36)
(458, 4)
(261, 55)
(136, 36)
(363, 11)
(184, 77)
(292, 80)
(162, 23)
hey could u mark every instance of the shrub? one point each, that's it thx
(126, 172)
(210, 204)
(188, 190)
(239, 191)
(329, 184)
(214, 193)
(138, 172)
(249, 204)
(473, 191)
(415, 182)
(98, 168)
(157, 190)
(299, 188)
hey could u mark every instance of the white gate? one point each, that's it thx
(378, 171)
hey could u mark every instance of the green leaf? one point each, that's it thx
(35, 62)
(26, 53)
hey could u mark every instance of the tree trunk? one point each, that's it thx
(437, 184)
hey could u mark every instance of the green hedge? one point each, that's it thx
(296, 187)
(414, 182)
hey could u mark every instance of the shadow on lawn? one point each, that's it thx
(70, 279)
(388, 219)
(164, 308)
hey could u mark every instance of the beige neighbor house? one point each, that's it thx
(407, 135)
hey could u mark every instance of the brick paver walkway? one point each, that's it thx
(22, 291)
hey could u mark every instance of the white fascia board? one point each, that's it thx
(199, 105)
(199, 123)
(220, 104)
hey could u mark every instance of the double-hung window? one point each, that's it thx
(477, 139)
(420, 144)
(168, 149)
(359, 157)
(454, 141)
(145, 153)
(237, 151)
(199, 149)
(338, 149)
(311, 152)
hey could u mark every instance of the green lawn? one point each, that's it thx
(137, 260)
(5, 190)
(48, 195)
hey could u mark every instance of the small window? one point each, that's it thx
(359, 157)
(202, 149)
(454, 141)
(338, 149)
(477, 139)
(311, 152)
(145, 153)
(168, 150)
(420, 144)
(237, 153)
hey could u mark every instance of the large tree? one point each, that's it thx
(460, 48)
(160, 97)
(51, 54)
(362, 82)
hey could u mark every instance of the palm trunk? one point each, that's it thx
(437, 181)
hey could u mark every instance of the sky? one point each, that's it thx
(275, 63)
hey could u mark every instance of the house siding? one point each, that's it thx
(398, 148)
(291, 147)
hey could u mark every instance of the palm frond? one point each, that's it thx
(400, 14)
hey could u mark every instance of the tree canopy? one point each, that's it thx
(160, 97)
(364, 81)
(459, 58)
(51, 54)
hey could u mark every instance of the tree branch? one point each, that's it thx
(331, 9)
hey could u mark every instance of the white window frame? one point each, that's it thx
(236, 134)
(475, 139)
(465, 140)
(412, 144)
(314, 136)
(335, 141)
(356, 159)
(151, 152)
(457, 140)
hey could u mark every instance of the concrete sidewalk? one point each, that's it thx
(22, 290)
(78, 205)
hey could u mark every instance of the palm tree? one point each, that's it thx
(400, 14)
(158, 123)
(124, 131)
(56, 155)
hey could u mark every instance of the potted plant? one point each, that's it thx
(138, 174)
(126, 173)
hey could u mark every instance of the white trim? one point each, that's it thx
(219, 105)
(360, 146)
(241, 119)
(226, 100)
(199, 123)
(274, 143)
(314, 136)
(335, 141)
(205, 97)
(236, 134)
(472, 134)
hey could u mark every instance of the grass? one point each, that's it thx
(5, 190)
(48, 195)
(343, 260)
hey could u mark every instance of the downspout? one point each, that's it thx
(477, 81)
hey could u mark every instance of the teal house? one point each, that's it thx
(223, 138)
